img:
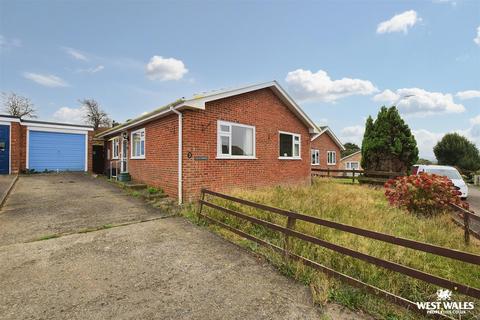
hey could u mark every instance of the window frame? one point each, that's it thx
(293, 157)
(328, 158)
(144, 144)
(350, 163)
(116, 142)
(317, 152)
(221, 134)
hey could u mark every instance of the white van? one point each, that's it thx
(449, 172)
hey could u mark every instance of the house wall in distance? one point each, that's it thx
(325, 143)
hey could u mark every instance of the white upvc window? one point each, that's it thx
(315, 157)
(115, 148)
(289, 145)
(137, 144)
(235, 140)
(352, 165)
(331, 157)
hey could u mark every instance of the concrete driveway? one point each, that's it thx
(43, 205)
(160, 269)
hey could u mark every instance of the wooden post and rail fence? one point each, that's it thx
(289, 232)
(468, 220)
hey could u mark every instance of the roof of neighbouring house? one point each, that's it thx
(198, 101)
(351, 155)
(326, 129)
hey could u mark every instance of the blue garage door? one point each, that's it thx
(4, 149)
(56, 151)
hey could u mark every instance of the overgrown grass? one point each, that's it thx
(366, 208)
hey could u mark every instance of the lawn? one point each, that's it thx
(364, 207)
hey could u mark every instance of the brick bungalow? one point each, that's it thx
(246, 137)
(352, 161)
(41, 145)
(326, 150)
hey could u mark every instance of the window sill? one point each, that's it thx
(117, 158)
(137, 158)
(236, 158)
(315, 164)
(331, 164)
(289, 158)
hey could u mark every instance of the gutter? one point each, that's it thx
(180, 153)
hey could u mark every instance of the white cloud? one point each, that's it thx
(318, 86)
(92, 70)
(399, 23)
(426, 140)
(468, 94)
(475, 120)
(352, 134)
(70, 115)
(75, 54)
(47, 80)
(477, 38)
(6, 44)
(165, 69)
(419, 102)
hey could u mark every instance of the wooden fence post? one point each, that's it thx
(466, 224)
(287, 246)
(328, 172)
(353, 175)
(200, 204)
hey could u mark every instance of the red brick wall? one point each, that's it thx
(16, 147)
(268, 114)
(90, 151)
(325, 143)
(160, 166)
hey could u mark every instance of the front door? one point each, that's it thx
(123, 167)
(4, 149)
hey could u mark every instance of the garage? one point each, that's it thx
(55, 147)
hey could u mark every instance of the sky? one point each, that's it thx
(340, 60)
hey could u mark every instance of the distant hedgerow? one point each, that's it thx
(424, 194)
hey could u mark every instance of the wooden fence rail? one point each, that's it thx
(333, 173)
(469, 221)
(289, 232)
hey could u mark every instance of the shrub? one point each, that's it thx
(424, 194)
(152, 190)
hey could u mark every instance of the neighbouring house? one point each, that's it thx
(43, 146)
(246, 137)
(326, 149)
(352, 161)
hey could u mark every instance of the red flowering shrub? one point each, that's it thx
(425, 194)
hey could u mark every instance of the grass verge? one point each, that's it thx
(363, 207)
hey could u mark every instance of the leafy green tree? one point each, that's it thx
(388, 144)
(424, 161)
(349, 149)
(456, 150)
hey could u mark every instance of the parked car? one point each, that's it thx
(449, 172)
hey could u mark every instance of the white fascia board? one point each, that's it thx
(8, 119)
(59, 130)
(199, 102)
(40, 126)
(351, 155)
(332, 135)
(136, 123)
